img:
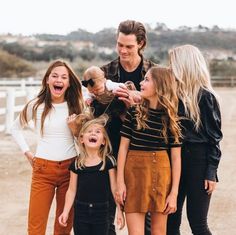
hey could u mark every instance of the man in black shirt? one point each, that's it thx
(129, 66)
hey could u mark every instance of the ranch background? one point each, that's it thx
(23, 61)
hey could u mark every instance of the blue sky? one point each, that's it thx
(56, 16)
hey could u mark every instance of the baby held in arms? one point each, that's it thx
(102, 89)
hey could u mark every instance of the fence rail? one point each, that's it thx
(224, 81)
(30, 82)
(23, 83)
(7, 112)
(11, 90)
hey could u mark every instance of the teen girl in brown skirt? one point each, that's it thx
(147, 181)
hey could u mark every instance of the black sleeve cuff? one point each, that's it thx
(211, 174)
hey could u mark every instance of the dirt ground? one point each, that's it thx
(16, 176)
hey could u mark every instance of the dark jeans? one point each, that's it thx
(112, 212)
(91, 229)
(192, 188)
(91, 218)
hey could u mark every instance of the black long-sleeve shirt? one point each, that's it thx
(209, 132)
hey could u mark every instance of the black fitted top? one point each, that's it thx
(93, 184)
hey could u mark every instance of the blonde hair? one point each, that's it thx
(192, 74)
(105, 149)
(167, 100)
(95, 73)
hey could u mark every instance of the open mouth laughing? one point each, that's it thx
(92, 139)
(58, 88)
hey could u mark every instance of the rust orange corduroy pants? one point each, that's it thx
(49, 178)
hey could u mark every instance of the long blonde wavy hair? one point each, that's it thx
(191, 72)
(105, 150)
(167, 101)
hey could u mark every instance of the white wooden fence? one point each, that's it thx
(28, 88)
(229, 81)
(23, 83)
(9, 92)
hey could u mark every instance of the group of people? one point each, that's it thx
(132, 137)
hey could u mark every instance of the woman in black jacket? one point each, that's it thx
(201, 128)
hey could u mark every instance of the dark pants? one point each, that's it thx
(112, 212)
(91, 218)
(192, 188)
(91, 229)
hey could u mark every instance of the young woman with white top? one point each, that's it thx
(59, 97)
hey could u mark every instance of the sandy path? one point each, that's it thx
(15, 180)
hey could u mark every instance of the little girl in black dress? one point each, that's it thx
(92, 174)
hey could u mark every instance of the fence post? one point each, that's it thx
(23, 84)
(232, 81)
(30, 93)
(10, 103)
(30, 81)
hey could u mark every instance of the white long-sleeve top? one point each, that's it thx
(113, 86)
(110, 86)
(57, 142)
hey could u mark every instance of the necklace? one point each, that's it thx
(108, 105)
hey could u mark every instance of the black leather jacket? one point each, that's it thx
(209, 133)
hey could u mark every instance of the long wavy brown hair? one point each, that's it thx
(73, 95)
(167, 101)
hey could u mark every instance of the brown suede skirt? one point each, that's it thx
(148, 181)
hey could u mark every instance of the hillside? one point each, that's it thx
(159, 37)
(218, 45)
